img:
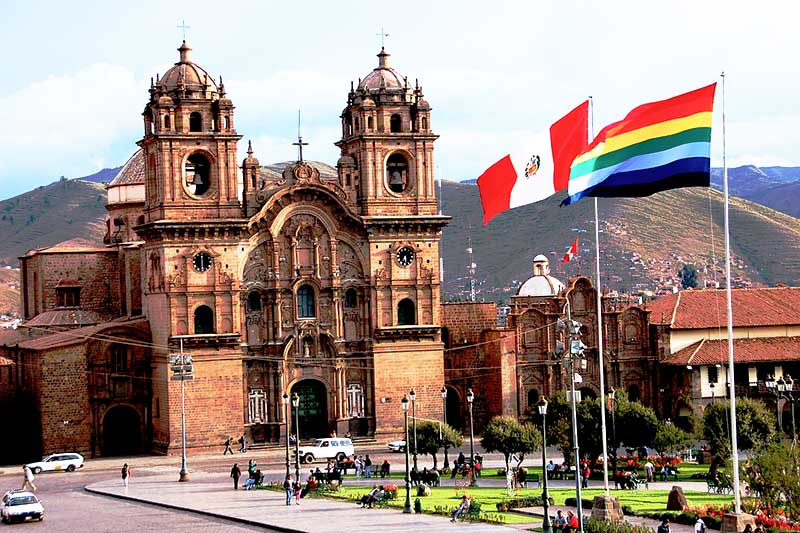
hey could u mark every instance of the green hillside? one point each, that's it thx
(50, 214)
(643, 241)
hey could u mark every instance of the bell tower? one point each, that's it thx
(386, 167)
(193, 228)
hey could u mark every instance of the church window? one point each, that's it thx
(424, 123)
(397, 172)
(226, 120)
(203, 320)
(119, 359)
(254, 301)
(631, 334)
(633, 393)
(256, 406)
(166, 122)
(68, 296)
(406, 313)
(395, 123)
(713, 374)
(357, 124)
(355, 400)
(369, 123)
(533, 398)
(197, 171)
(350, 298)
(305, 302)
(195, 122)
(347, 180)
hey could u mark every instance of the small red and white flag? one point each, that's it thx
(525, 178)
(571, 252)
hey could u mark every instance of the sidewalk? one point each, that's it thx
(213, 494)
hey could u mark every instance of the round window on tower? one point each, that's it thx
(197, 174)
(397, 178)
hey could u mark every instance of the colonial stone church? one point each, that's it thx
(306, 281)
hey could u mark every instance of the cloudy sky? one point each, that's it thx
(497, 74)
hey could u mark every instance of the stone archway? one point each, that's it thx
(313, 408)
(122, 433)
(455, 409)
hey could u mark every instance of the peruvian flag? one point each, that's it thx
(571, 252)
(526, 178)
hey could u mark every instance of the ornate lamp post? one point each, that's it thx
(612, 407)
(772, 386)
(288, 429)
(407, 506)
(790, 396)
(470, 399)
(296, 405)
(546, 527)
(413, 396)
(444, 419)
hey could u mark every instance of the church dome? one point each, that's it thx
(186, 75)
(132, 172)
(541, 283)
(383, 77)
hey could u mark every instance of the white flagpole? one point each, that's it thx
(600, 358)
(731, 381)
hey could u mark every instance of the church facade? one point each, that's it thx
(305, 281)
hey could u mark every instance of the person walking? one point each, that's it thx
(288, 488)
(367, 467)
(359, 464)
(664, 527)
(236, 474)
(28, 478)
(243, 443)
(228, 449)
(298, 489)
(699, 525)
(126, 474)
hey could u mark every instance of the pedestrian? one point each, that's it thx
(559, 522)
(572, 522)
(367, 467)
(298, 489)
(236, 474)
(243, 443)
(251, 468)
(664, 527)
(228, 449)
(288, 488)
(359, 463)
(28, 478)
(699, 525)
(649, 471)
(587, 471)
(126, 473)
(748, 528)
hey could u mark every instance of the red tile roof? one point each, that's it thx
(77, 336)
(756, 350)
(707, 308)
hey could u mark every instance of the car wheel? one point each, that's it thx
(71, 468)
(37, 470)
(308, 459)
(340, 457)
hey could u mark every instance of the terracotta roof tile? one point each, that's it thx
(754, 350)
(707, 308)
(75, 336)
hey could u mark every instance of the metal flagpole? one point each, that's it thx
(731, 381)
(603, 431)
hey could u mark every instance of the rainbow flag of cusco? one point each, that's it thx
(658, 146)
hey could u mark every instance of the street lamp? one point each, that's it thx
(611, 407)
(783, 389)
(296, 405)
(413, 396)
(789, 396)
(574, 357)
(407, 506)
(444, 419)
(772, 386)
(470, 399)
(713, 397)
(182, 369)
(546, 527)
(288, 424)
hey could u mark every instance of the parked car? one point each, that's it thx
(331, 448)
(57, 461)
(19, 505)
(397, 446)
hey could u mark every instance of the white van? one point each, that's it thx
(331, 448)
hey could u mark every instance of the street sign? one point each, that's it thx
(182, 377)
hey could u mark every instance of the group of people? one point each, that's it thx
(565, 524)
(242, 445)
(375, 495)
(363, 467)
(463, 467)
(254, 476)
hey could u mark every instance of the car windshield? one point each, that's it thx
(23, 500)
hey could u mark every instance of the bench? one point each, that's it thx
(722, 485)
(474, 512)
(344, 466)
(663, 476)
(531, 478)
(327, 477)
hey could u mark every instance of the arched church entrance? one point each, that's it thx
(122, 431)
(313, 410)
(455, 414)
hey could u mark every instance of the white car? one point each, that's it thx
(57, 461)
(18, 506)
(332, 448)
(397, 446)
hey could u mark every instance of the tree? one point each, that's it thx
(636, 424)
(508, 436)
(559, 422)
(688, 276)
(670, 439)
(754, 424)
(774, 474)
(429, 440)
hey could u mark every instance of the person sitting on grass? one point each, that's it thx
(461, 509)
(559, 522)
(572, 522)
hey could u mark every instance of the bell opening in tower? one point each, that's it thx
(397, 173)
(196, 171)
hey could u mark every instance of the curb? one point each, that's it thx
(205, 513)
